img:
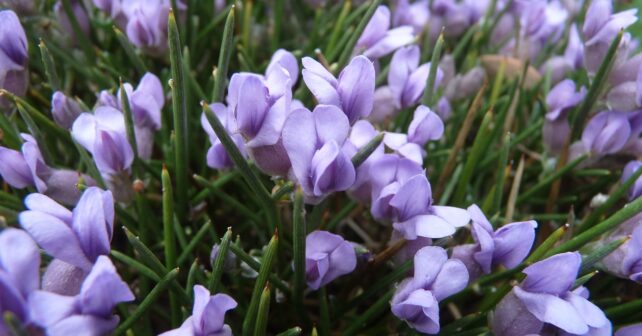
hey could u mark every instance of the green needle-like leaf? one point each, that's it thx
(179, 110)
(129, 50)
(248, 174)
(615, 197)
(129, 119)
(601, 77)
(219, 261)
(476, 153)
(298, 246)
(607, 225)
(261, 280)
(198, 237)
(224, 57)
(600, 253)
(264, 310)
(291, 332)
(148, 301)
(365, 151)
(550, 179)
(354, 37)
(50, 68)
(429, 91)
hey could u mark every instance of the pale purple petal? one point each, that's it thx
(20, 259)
(512, 318)
(331, 124)
(513, 242)
(452, 278)
(103, 289)
(299, 139)
(55, 237)
(391, 41)
(91, 224)
(551, 309)
(425, 125)
(90, 324)
(252, 106)
(632, 330)
(47, 309)
(554, 275)
(332, 170)
(14, 169)
(428, 262)
(287, 61)
(413, 198)
(356, 88)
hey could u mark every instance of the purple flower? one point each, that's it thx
(560, 100)
(13, 56)
(65, 110)
(110, 7)
(362, 132)
(600, 28)
(378, 40)
(19, 274)
(425, 126)
(407, 202)
(626, 96)
(65, 23)
(76, 238)
(607, 132)
(260, 118)
(327, 257)
(103, 134)
(626, 261)
(353, 92)
(230, 258)
(261, 105)
(146, 102)
(454, 16)
(632, 330)
(636, 189)
(415, 14)
(208, 315)
(217, 157)
(398, 143)
(508, 246)
(465, 85)
(313, 141)
(147, 24)
(28, 168)
(546, 299)
(436, 277)
(90, 311)
(406, 78)
(573, 58)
